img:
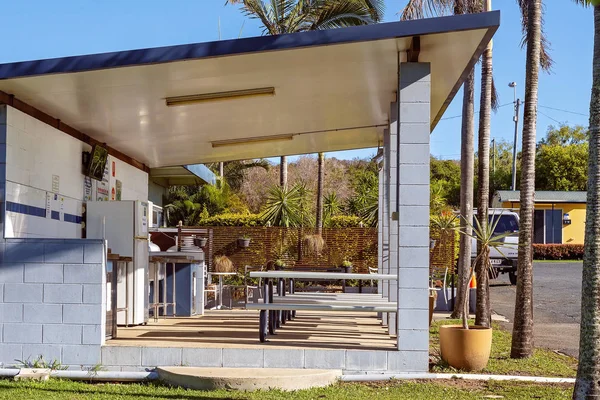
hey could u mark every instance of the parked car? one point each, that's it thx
(503, 259)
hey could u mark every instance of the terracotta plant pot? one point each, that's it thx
(432, 299)
(466, 349)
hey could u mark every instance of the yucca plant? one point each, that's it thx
(487, 240)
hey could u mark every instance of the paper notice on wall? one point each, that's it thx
(62, 209)
(119, 186)
(48, 205)
(103, 187)
(55, 183)
(87, 189)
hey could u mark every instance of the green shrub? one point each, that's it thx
(344, 221)
(558, 251)
(228, 219)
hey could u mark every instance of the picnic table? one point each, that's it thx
(275, 311)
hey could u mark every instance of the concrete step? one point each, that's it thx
(247, 379)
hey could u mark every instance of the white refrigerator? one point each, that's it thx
(124, 225)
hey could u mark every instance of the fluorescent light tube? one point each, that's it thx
(233, 94)
(257, 139)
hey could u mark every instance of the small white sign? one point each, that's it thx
(48, 205)
(55, 183)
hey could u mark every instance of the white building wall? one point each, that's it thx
(45, 182)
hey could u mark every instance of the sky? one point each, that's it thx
(38, 29)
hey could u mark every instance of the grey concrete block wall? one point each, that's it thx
(413, 218)
(50, 300)
(130, 358)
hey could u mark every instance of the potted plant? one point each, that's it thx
(244, 241)
(200, 242)
(279, 264)
(222, 263)
(468, 347)
(347, 265)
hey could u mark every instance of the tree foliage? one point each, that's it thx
(189, 204)
(561, 159)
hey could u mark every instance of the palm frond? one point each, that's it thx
(545, 57)
(419, 9)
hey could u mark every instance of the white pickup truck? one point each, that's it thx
(505, 262)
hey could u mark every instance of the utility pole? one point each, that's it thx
(517, 103)
(494, 156)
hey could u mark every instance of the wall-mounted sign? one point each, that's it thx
(119, 190)
(48, 205)
(55, 183)
(114, 169)
(103, 187)
(87, 189)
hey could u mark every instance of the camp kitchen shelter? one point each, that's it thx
(384, 85)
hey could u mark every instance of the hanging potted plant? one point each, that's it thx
(200, 242)
(347, 265)
(244, 241)
(468, 347)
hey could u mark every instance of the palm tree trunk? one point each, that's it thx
(283, 172)
(319, 219)
(588, 373)
(466, 193)
(522, 340)
(483, 313)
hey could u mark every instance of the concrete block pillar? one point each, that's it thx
(393, 211)
(385, 221)
(413, 211)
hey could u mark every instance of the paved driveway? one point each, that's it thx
(556, 300)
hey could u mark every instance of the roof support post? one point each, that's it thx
(384, 226)
(412, 217)
(392, 208)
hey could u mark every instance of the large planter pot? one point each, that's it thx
(466, 349)
(432, 299)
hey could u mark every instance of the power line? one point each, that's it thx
(476, 112)
(547, 116)
(565, 111)
(540, 106)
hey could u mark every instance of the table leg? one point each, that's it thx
(220, 292)
(273, 313)
(264, 315)
(279, 314)
(283, 314)
(292, 291)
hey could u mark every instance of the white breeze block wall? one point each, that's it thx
(38, 159)
(52, 301)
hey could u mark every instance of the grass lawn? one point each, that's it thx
(448, 390)
(542, 363)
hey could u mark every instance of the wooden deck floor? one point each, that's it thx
(239, 329)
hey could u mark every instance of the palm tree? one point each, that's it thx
(234, 172)
(522, 340)
(588, 372)
(483, 315)
(284, 207)
(332, 206)
(320, 176)
(283, 172)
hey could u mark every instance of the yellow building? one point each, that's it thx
(559, 216)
